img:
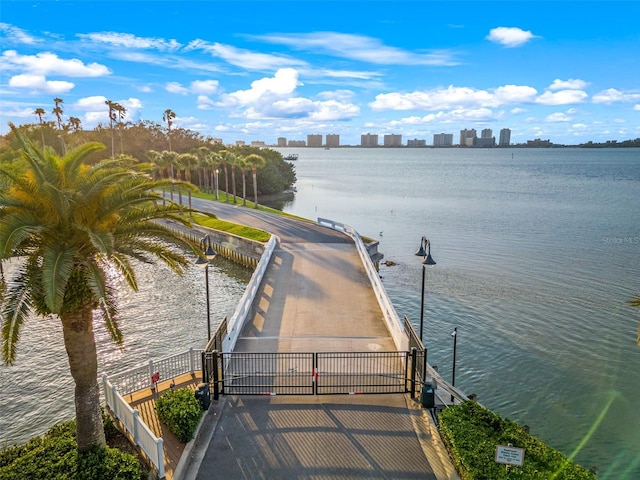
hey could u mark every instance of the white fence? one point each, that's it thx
(167, 368)
(142, 436)
(394, 324)
(138, 378)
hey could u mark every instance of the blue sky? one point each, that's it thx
(243, 70)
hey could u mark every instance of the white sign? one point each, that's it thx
(510, 455)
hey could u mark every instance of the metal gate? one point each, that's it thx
(320, 373)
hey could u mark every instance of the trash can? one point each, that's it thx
(428, 396)
(202, 394)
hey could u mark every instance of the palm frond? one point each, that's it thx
(16, 308)
(57, 266)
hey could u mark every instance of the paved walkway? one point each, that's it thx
(315, 297)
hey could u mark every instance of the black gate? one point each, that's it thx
(322, 373)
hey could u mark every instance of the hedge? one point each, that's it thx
(472, 433)
(180, 410)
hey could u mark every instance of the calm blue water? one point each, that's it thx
(537, 253)
(166, 316)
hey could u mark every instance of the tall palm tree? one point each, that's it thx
(57, 111)
(68, 223)
(121, 113)
(168, 117)
(255, 161)
(112, 119)
(243, 166)
(40, 112)
(224, 162)
(75, 123)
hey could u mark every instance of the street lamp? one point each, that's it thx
(210, 254)
(454, 334)
(215, 178)
(428, 261)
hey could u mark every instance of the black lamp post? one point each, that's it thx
(209, 253)
(425, 252)
(454, 334)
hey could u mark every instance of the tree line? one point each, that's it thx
(176, 152)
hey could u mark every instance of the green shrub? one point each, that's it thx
(180, 410)
(472, 433)
(55, 456)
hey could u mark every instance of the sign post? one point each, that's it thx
(510, 455)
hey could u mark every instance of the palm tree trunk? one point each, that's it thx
(255, 188)
(233, 182)
(79, 341)
(226, 184)
(244, 188)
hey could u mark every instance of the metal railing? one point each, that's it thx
(305, 373)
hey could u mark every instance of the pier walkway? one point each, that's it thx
(315, 297)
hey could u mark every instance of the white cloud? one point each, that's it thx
(334, 110)
(510, 36)
(282, 84)
(454, 97)
(127, 40)
(637, 107)
(18, 35)
(558, 117)
(205, 103)
(46, 63)
(562, 97)
(571, 84)
(358, 47)
(204, 86)
(245, 58)
(39, 84)
(612, 95)
(177, 88)
(95, 110)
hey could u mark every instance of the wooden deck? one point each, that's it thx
(145, 402)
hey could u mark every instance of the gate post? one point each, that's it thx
(203, 362)
(216, 388)
(413, 371)
(314, 373)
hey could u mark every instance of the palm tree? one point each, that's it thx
(121, 113)
(112, 119)
(224, 161)
(57, 111)
(255, 161)
(168, 117)
(40, 112)
(242, 165)
(75, 123)
(69, 223)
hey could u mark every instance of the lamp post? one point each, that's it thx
(425, 252)
(454, 334)
(215, 178)
(209, 254)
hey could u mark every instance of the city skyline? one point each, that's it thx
(245, 71)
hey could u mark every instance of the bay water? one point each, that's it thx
(538, 254)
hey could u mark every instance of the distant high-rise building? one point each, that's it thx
(392, 140)
(240, 143)
(368, 140)
(466, 137)
(282, 142)
(333, 140)
(443, 139)
(314, 140)
(486, 133)
(505, 137)
(416, 143)
(258, 143)
(296, 143)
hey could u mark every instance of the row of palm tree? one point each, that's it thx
(172, 165)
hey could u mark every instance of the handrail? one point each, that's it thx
(239, 317)
(166, 368)
(143, 437)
